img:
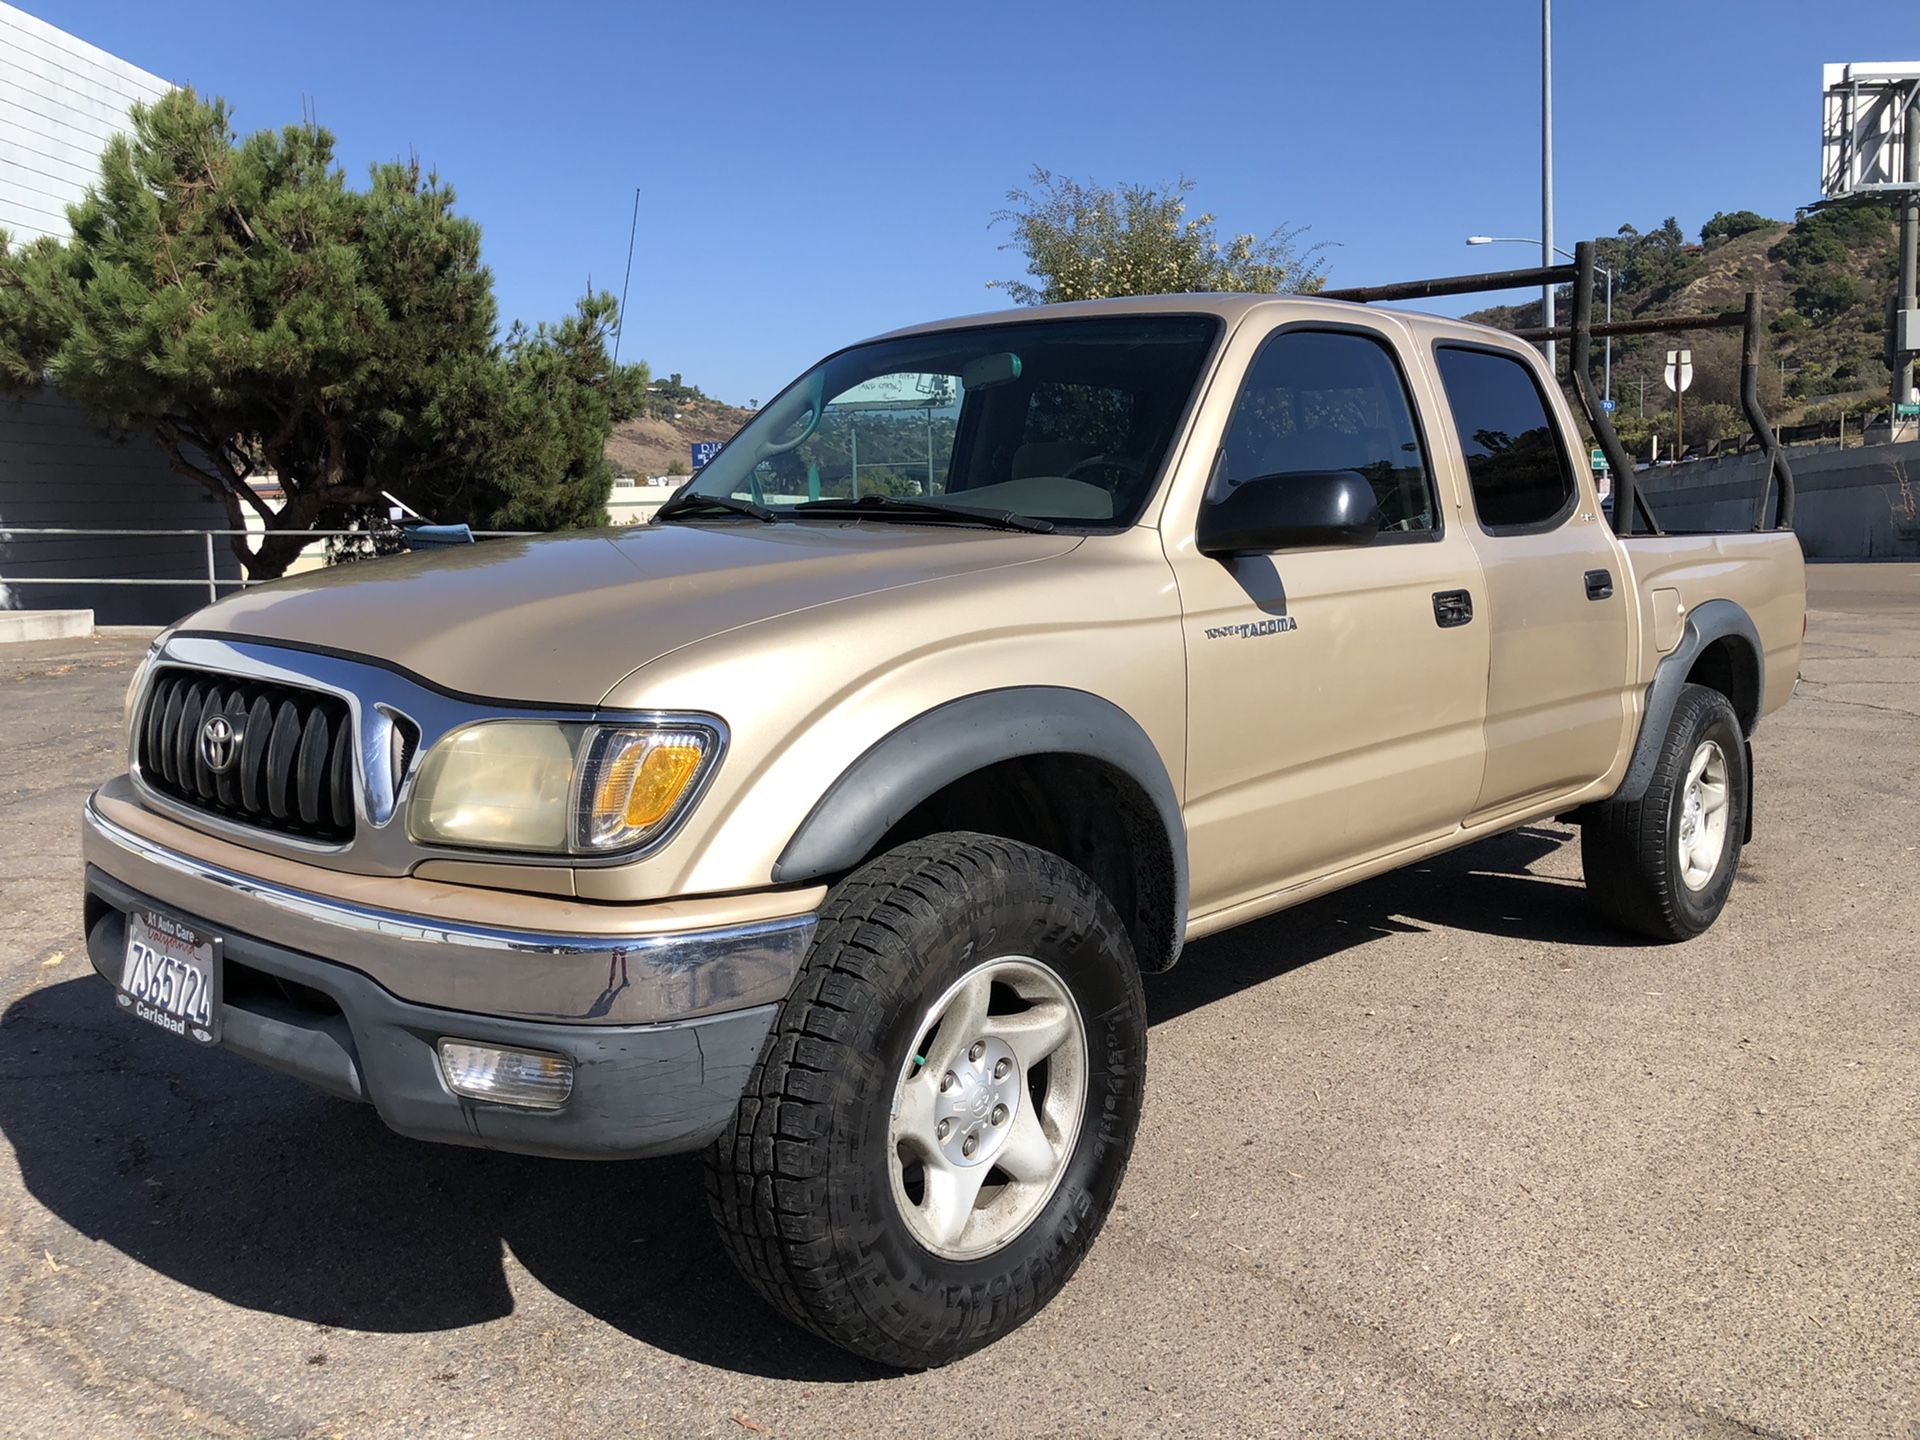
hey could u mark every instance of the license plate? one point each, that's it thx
(171, 976)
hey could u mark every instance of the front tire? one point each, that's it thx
(945, 1106)
(1663, 865)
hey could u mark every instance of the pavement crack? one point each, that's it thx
(1824, 699)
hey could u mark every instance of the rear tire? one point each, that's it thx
(944, 1109)
(1663, 865)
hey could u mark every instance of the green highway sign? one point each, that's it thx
(1906, 410)
(1600, 459)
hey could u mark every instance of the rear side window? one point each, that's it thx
(1516, 462)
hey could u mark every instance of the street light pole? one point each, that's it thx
(1548, 252)
(1546, 166)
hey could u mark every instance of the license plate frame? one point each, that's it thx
(170, 974)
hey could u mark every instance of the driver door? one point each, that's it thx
(1336, 697)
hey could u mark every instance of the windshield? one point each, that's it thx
(1068, 421)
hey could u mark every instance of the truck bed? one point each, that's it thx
(1762, 571)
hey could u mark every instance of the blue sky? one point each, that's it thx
(811, 174)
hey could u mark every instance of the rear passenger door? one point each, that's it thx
(1555, 612)
(1335, 700)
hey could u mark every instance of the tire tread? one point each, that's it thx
(1624, 843)
(767, 1176)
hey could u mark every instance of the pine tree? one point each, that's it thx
(240, 302)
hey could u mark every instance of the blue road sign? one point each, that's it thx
(703, 451)
(1607, 405)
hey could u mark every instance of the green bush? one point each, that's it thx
(1829, 237)
(1726, 226)
(1827, 293)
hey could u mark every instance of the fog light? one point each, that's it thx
(507, 1077)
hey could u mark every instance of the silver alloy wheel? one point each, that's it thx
(1705, 805)
(987, 1107)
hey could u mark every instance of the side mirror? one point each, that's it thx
(1299, 510)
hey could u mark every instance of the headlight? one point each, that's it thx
(556, 788)
(501, 785)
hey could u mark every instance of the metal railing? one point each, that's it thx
(213, 580)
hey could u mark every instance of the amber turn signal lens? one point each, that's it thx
(636, 780)
(650, 786)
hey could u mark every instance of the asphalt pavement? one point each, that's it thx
(1441, 1155)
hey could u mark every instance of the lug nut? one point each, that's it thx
(943, 1129)
(969, 1145)
(946, 1081)
(1000, 1069)
(999, 1115)
(979, 1049)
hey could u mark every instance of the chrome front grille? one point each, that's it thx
(283, 761)
(330, 791)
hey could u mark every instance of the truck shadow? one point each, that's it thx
(1487, 888)
(254, 1190)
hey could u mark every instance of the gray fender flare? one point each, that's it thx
(1707, 622)
(934, 749)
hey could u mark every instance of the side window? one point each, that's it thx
(1331, 400)
(1516, 461)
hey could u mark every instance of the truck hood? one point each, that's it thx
(561, 619)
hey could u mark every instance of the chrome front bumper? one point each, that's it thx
(636, 978)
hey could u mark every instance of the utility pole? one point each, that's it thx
(1546, 168)
(620, 320)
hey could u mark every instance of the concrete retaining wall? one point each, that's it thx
(1848, 504)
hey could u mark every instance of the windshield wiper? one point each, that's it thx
(926, 510)
(692, 503)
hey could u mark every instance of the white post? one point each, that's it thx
(213, 585)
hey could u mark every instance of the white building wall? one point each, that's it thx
(61, 100)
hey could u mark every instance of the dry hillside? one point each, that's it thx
(1823, 286)
(660, 443)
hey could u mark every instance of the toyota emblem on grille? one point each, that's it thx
(219, 744)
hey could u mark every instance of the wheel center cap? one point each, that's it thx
(978, 1099)
(1690, 812)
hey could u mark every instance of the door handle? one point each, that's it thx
(1451, 608)
(1599, 584)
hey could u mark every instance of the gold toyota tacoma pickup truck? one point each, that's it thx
(830, 821)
